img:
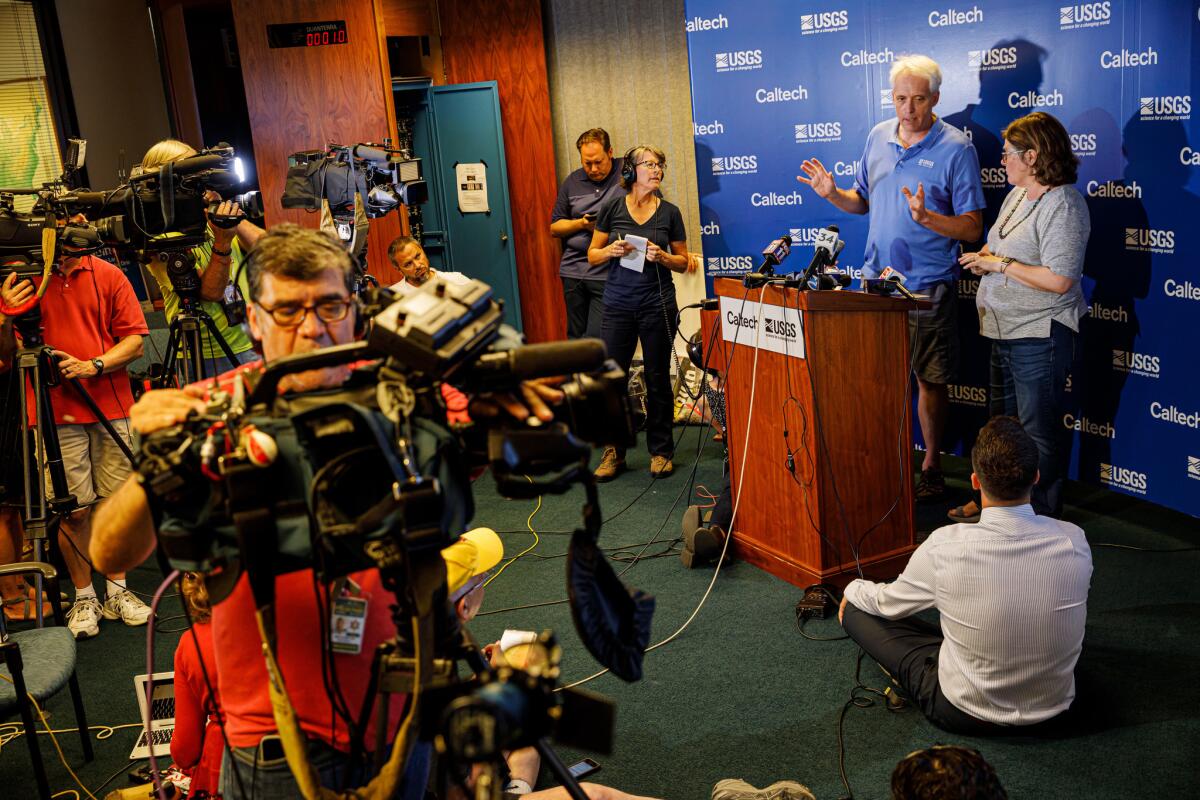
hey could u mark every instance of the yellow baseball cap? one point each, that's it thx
(475, 552)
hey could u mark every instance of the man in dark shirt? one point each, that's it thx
(580, 198)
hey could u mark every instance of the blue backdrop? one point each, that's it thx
(775, 82)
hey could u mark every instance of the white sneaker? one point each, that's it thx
(125, 606)
(83, 618)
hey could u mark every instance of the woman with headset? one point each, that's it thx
(641, 238)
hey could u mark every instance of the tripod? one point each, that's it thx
(185, 333)
(41, 453)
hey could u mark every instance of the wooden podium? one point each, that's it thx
(842, 409)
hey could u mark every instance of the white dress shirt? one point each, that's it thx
(1012, 594)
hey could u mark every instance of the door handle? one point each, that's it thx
(504, 237)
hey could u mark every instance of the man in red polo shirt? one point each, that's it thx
(93, 323)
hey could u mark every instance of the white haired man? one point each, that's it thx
(919, 180)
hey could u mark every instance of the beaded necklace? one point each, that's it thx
(1024, 193)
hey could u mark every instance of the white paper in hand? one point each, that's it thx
(512, 638)
(636, 258)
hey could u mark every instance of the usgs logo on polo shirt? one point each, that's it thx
(1084, 15)
(824, 22)
(735, 165)
(992, 60)
(1123, 478)
(952, 16)
(1165, 108)
(739, 60)
(818, 132)
(1150, 240)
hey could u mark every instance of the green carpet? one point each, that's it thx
(741, 694)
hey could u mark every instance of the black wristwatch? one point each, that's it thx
(99, 365)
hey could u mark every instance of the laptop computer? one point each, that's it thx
(161, 714)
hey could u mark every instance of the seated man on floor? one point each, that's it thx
(1012, 594)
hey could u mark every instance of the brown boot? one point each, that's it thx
(661, 466)
(612, 464)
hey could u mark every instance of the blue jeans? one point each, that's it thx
(271, 779)
(1029, 381)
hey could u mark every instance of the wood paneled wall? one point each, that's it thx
(300, 98)
(502, 40)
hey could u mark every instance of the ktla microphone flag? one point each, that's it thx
(775, 82)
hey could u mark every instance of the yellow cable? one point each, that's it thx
(536, 539)
(13, 730)
(54, 739)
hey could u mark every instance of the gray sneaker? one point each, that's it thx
(736, 789)
(125, 606)
(83, 618)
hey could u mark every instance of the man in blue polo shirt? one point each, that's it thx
(919, 180)
(580, 198)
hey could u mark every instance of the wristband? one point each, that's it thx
(1007, 262)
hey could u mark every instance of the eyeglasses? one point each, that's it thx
(1011, 153)
(652, 165)
(287, 316)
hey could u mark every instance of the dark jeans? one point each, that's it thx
(585, 307)
(265, 774)
(1029, 381)
(653, 327)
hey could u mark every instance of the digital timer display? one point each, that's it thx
(307, 34)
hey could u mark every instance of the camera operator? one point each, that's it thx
(219, 261)
(299, 283)
(90, 309)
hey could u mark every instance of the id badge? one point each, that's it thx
(348, 625)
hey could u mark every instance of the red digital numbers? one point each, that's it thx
(323, 37)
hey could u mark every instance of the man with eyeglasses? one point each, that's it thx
(299, 281)
(580, 198)
(919, 180)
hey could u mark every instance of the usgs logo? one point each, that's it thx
(1123, 478)
(714, 128)
(846, 167)
(731, 264)
(993, 177)
(818, 132)
(780, 327)
(735, 165)
(780, 95)
(952, 16)
(975, 396)
(806, 236)
(1032, 99)
(824, 22)
(885, 99)
(771, 199)
(1085, 425)
(701, 24)
(1115, 190)
(1165, 108)
(739, 60)
(867, 58)
(1083, 145)
(710, 229)
(1084, 15)
(1129, 58)
(994, 59)
(968, 288)
(1193, 468)
(1136, 363)
(1150, 240)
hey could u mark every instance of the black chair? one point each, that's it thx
(49, 656)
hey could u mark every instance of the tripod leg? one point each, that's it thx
(193, 353)
(219, 339)
(108, 428)
(164, 380)
(560, 770)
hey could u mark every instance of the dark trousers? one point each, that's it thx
(653, 327)
(585, 307)
(1029, 381)
(907, 649)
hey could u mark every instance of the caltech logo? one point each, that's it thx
(818, 132)
(1083, 145)
(735, 165)
(1123, 478)
(1084, 15)
(714, 128)
(866, 58)
(739, 60)
(710, 229)
(730, 264)
(1129, 58)
(1184, 291)
(1032, 99)
(1193, 468)
(1172, 414)
(780, 94)
(1150, 240)
(975, 396)
(1133, 363)
(701, 24)
(846, 167)
(1165, 108)
(1189, 157)
(1085, 425)
(824, 22)
(993, 177)
(1101, 312)
(760, 200)
(952, 16)
(1115, 190)
(995, 59)
(855, 273)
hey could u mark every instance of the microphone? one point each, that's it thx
(825, 253)
(773, 255)
(535, 361)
